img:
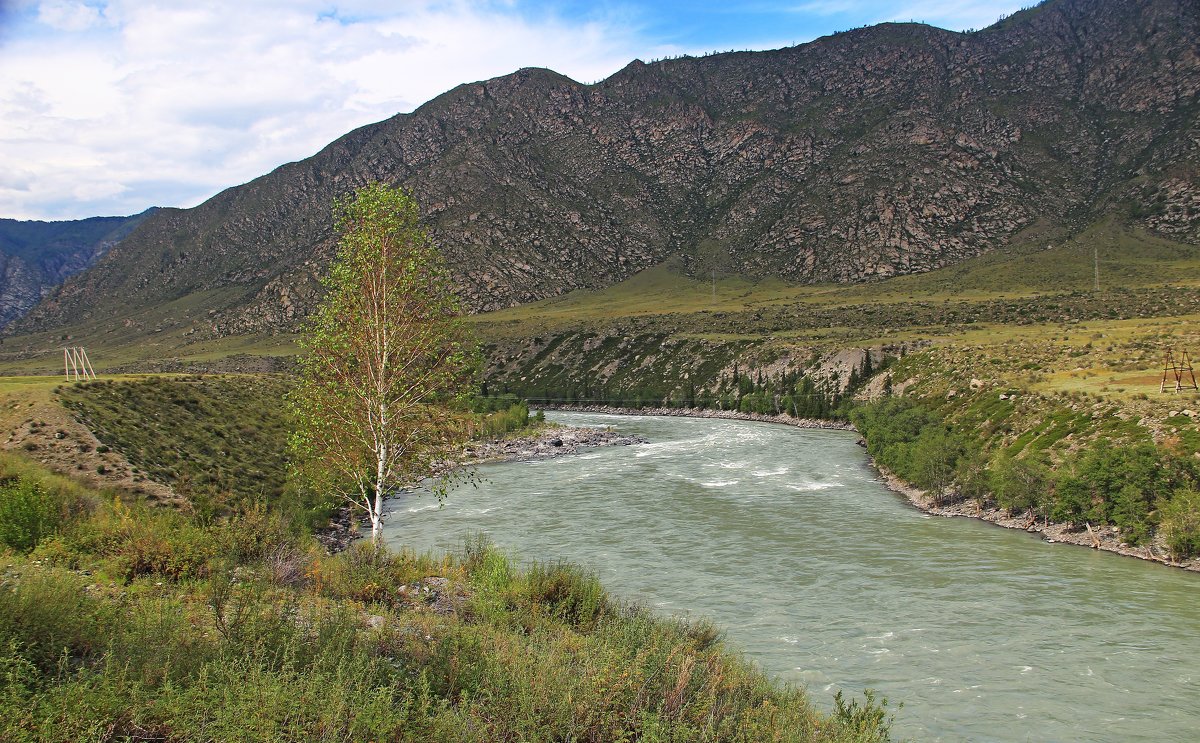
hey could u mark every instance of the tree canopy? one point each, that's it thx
(386, 352)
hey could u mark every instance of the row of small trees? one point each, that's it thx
(791, 392)
(1138, 488)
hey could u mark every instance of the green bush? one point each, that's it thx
(28, 514)
(48, 613)
(136, 541)
(1120, 485)
(1020, 484)
(1179, 523)
(569, 594)
(500, 422)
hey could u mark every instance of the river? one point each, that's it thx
(787, 540)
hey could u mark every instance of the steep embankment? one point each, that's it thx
(888, 150)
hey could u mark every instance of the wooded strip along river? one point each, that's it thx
(787, 540)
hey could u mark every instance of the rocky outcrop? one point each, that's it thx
(887, 150)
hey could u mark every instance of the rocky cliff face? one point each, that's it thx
(887, 150)
(36, 257)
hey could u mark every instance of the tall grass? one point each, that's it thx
(138, 624)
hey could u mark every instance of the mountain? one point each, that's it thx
(887, 150)
(35, 257)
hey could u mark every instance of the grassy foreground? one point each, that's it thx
(123, 622)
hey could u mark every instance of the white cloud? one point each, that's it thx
(108, 107)
(959, 15)
(102, 104)
(69, 16)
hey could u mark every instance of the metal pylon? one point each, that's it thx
(1177, 374)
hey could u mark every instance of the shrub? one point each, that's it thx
(138, 542)
(1020, 484)
(500, 422)
(27, 514)
(1179, 523)
(48, 612)
(571, 594)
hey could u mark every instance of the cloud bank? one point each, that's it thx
(110, 108)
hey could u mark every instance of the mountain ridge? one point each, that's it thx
(885, 150)
(36, 256)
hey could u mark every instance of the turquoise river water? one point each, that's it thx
(787, 540)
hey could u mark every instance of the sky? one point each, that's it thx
(108, 107)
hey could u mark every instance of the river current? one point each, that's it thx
(787, 540)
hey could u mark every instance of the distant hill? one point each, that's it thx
(887, 150)
(35, 257)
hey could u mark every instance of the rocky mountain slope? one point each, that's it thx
(35, 257)
(887, 150)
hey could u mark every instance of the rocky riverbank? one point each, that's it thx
(1102, 538)
(707, 413)
(545, 442)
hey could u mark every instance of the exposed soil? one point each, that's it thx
(43, 430)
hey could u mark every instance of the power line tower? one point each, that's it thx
(1177, 374)
(76, 364)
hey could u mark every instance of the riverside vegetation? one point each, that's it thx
(123, 622)
(226, 620)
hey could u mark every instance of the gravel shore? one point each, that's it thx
(786, 420)
(542, 443)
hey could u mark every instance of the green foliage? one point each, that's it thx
(464, 647)
(1179, 523)
(28, 514)
(571, 595)
(911, 440)
(500, 422)
(1121, 485)
(868, 722)
(385, 352)
(137, 541)
(1020, 484)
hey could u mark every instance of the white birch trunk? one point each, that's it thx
(380, 472)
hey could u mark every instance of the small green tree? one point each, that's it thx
(386, 350)
(1179, 523)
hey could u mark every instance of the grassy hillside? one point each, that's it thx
(220, 442)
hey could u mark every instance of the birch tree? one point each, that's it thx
(385, 352)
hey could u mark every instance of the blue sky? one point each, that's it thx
(112, 106)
